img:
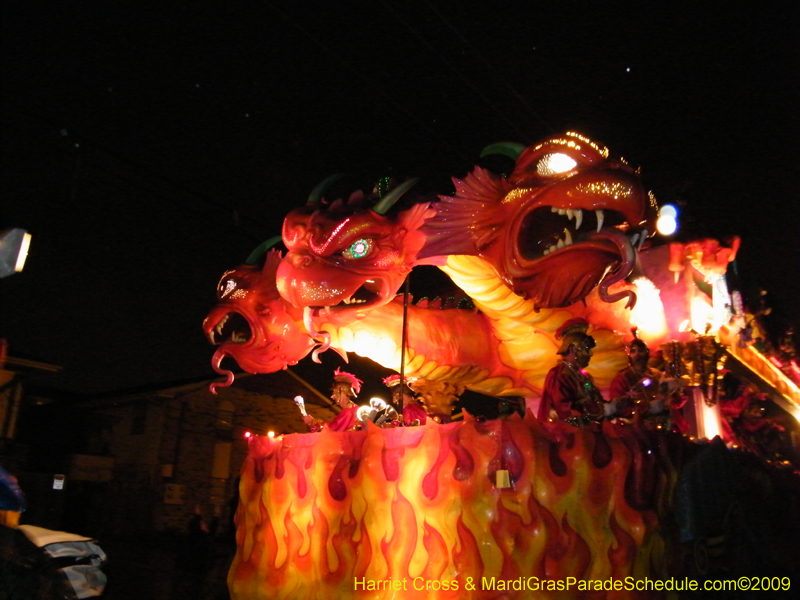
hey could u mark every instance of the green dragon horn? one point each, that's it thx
(317, 193)
(509, 149)
(389, 199)
(255, 256)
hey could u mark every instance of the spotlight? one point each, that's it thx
(666, 225)
(14, 245)
(668, 210)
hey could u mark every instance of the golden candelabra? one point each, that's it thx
(696, 363)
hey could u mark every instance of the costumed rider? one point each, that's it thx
(343, 392)
(640, 390)
(634, 389)
(402, 395)
(570, 393)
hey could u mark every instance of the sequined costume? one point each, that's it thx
(630, 379)
(345, 420)
(570, 394)
(413, 411)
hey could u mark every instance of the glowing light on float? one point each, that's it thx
(722, 301)
(667, 223)
(709, 317)
(553, 164)
(362, 414)
(703, 317)
(707, 417)
(301, 404)
(668, 210)
(648, 314)
(787, 390)
(380, 348)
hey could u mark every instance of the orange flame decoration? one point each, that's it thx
(361, 514)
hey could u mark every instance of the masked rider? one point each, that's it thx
(639, 389)
(402, 395)
(570, 393)
(343, 392)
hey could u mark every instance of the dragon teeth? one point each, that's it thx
(643, 238)
(600, 218)
(308, 313)
(570, 213)
(221, 324)
(561, 243)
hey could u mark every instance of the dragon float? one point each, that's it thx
(548, 243)
(423, 512)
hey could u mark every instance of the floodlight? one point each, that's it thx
(666, 225)
(14, 244)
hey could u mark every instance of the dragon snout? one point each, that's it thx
(299, 261)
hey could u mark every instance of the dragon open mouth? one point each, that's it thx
(370, 293)
(367, 294)
(232, 327)
(557, 228)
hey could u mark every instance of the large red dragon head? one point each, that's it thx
(567, 218)
(253, 324)
(347, 257)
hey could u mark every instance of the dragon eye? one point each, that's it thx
(358, 249)
(553, 164)
(226, 286)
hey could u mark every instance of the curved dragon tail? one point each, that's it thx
(216, 364)
(325, 343)
(628, 256)
(323, 338)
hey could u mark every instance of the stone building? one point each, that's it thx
(146, 461)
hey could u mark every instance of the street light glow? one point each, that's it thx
(666, 225)
(14, 244)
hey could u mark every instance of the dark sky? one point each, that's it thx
(149, 149)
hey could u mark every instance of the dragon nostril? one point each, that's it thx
(301, 261)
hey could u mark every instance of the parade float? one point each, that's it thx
(514, 507)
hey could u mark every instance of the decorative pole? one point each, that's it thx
(404, 337)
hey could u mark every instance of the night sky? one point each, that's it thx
(147, 150)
